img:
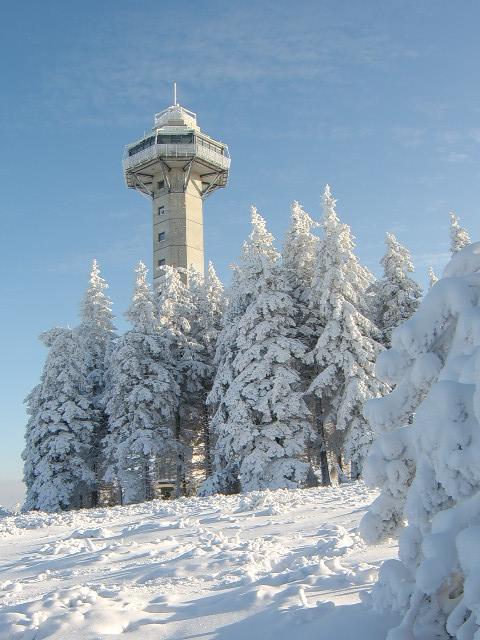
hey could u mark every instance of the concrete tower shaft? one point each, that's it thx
(177, 166)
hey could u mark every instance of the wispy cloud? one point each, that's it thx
(453, 145)
(437, 260)
(456, 156)
(125, 250)
(139, 56)
(475, 135)
(410, 136)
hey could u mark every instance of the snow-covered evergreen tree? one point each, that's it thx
(432, 277)
(298, 261)
(96, 334)
(208, 302)
(396, 295)
(224, 476)
(96, 328)
(186, 359)
(428, 470)
(266, 423)
(459, 237)
(142, 399)
(57, 470)
(347, 346)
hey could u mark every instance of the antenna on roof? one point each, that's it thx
(175, 94)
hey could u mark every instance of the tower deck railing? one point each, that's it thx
(176, 151)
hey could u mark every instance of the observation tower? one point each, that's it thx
(177, 166)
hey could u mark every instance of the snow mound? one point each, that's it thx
(464, 262)
(426, 462)
(92, 533)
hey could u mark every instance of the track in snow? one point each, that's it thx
(262, 565)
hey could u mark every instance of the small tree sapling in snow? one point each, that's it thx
(432, 277)
(459, 237)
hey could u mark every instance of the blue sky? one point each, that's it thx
(379, 98)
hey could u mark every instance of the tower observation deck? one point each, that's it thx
(177, 166)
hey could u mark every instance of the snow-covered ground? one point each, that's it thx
(282, 564)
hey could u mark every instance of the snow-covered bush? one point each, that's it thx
(426, 461)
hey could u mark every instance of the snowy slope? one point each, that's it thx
(282, 564)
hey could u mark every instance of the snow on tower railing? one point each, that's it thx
(176, 151)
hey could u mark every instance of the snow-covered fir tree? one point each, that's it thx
(265, 424)
(176, 310)
(57, 457)
(225, 468)
(347, 346)
(208, 303)
(459, 237)
(432, 277)
(428, 470)
(96, 335)
(96, 328)
(396, 295)
(142, 399)
(298, 261)
(224, 476)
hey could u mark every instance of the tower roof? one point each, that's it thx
(176, 116)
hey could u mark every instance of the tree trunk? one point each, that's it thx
(354, 471)
(180, 479)
(147, 478)
(323, 454)
(206, 441)
(324, 467)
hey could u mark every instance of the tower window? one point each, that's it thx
(161, 262)
(161, 236)
(175, 139)
(161, 184)
(161, 211)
